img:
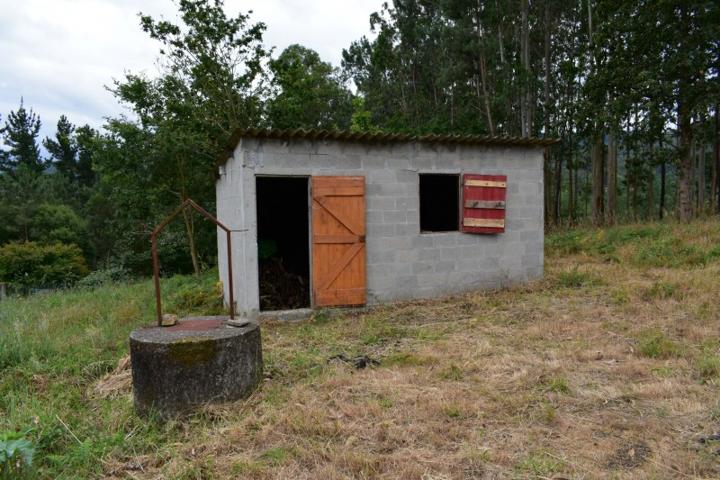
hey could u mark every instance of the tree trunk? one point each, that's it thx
(576, 190)
(685, 207)
(693, 176)
(558, 187)
(651, 185)
(571, 190)
(500, 35)
(701, 174)
(612, 178)
(482, 67)
(716, 170)
(596, 154)
(661, 211)
(525, 60)
(190, 231)
(548, 190)
(486, 95)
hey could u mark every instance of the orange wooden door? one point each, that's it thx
(338, 241)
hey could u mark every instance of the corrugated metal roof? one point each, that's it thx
(379, 137)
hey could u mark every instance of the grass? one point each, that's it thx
(608, 368)
(655, 344)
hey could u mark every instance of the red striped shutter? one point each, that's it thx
(484, 203)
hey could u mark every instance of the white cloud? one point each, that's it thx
(60, 54)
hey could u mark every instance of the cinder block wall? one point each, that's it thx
(402, 263)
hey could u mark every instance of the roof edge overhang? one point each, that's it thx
(383, 137)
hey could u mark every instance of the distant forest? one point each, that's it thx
(631, 87)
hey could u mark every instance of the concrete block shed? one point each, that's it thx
(364, 218)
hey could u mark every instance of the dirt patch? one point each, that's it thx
(630, 455)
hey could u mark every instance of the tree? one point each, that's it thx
(54, 223)
(309, 93)
(63, 149)
(86, 139)
(20, 137)
(665, 53)
(211, 82)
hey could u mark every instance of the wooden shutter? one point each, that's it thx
(338, 239)
(484, 203)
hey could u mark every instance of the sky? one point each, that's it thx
(59, 55)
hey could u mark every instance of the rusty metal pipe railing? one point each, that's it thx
(156, 262)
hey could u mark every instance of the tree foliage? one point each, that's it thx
(630, 87)
(19, 135)
(309, 93)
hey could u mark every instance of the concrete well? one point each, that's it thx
(200, 360)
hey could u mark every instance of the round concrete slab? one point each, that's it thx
(197, 361)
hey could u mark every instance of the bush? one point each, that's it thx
(31, 265)
(104, 276)
(191, 295)
(58, 224)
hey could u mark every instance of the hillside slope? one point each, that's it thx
(610, 367)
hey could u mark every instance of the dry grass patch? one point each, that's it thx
(608, 368)
(551, 380)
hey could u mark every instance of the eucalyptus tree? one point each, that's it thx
(665, 54)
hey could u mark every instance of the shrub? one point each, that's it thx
(31, 265)
(58, 224)
(104, 276)
(16, 455)
(196, 295)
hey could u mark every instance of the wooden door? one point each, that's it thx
(338, 241)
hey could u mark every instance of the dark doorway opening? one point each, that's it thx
(283, 242)
(439, 202)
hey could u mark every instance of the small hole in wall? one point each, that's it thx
(439, 202)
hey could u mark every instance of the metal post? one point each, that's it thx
(230, 277)
(156, 263)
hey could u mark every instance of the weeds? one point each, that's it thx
(575, 279)
(708, 366)
(655, 344)
(662, 291)
(557, 385)
(539, 464)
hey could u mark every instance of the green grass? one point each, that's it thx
(557, 385)
(53, 347)
(655, 344)
(575, 278)
(656, 245)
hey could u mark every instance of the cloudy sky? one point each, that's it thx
(59, 54)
